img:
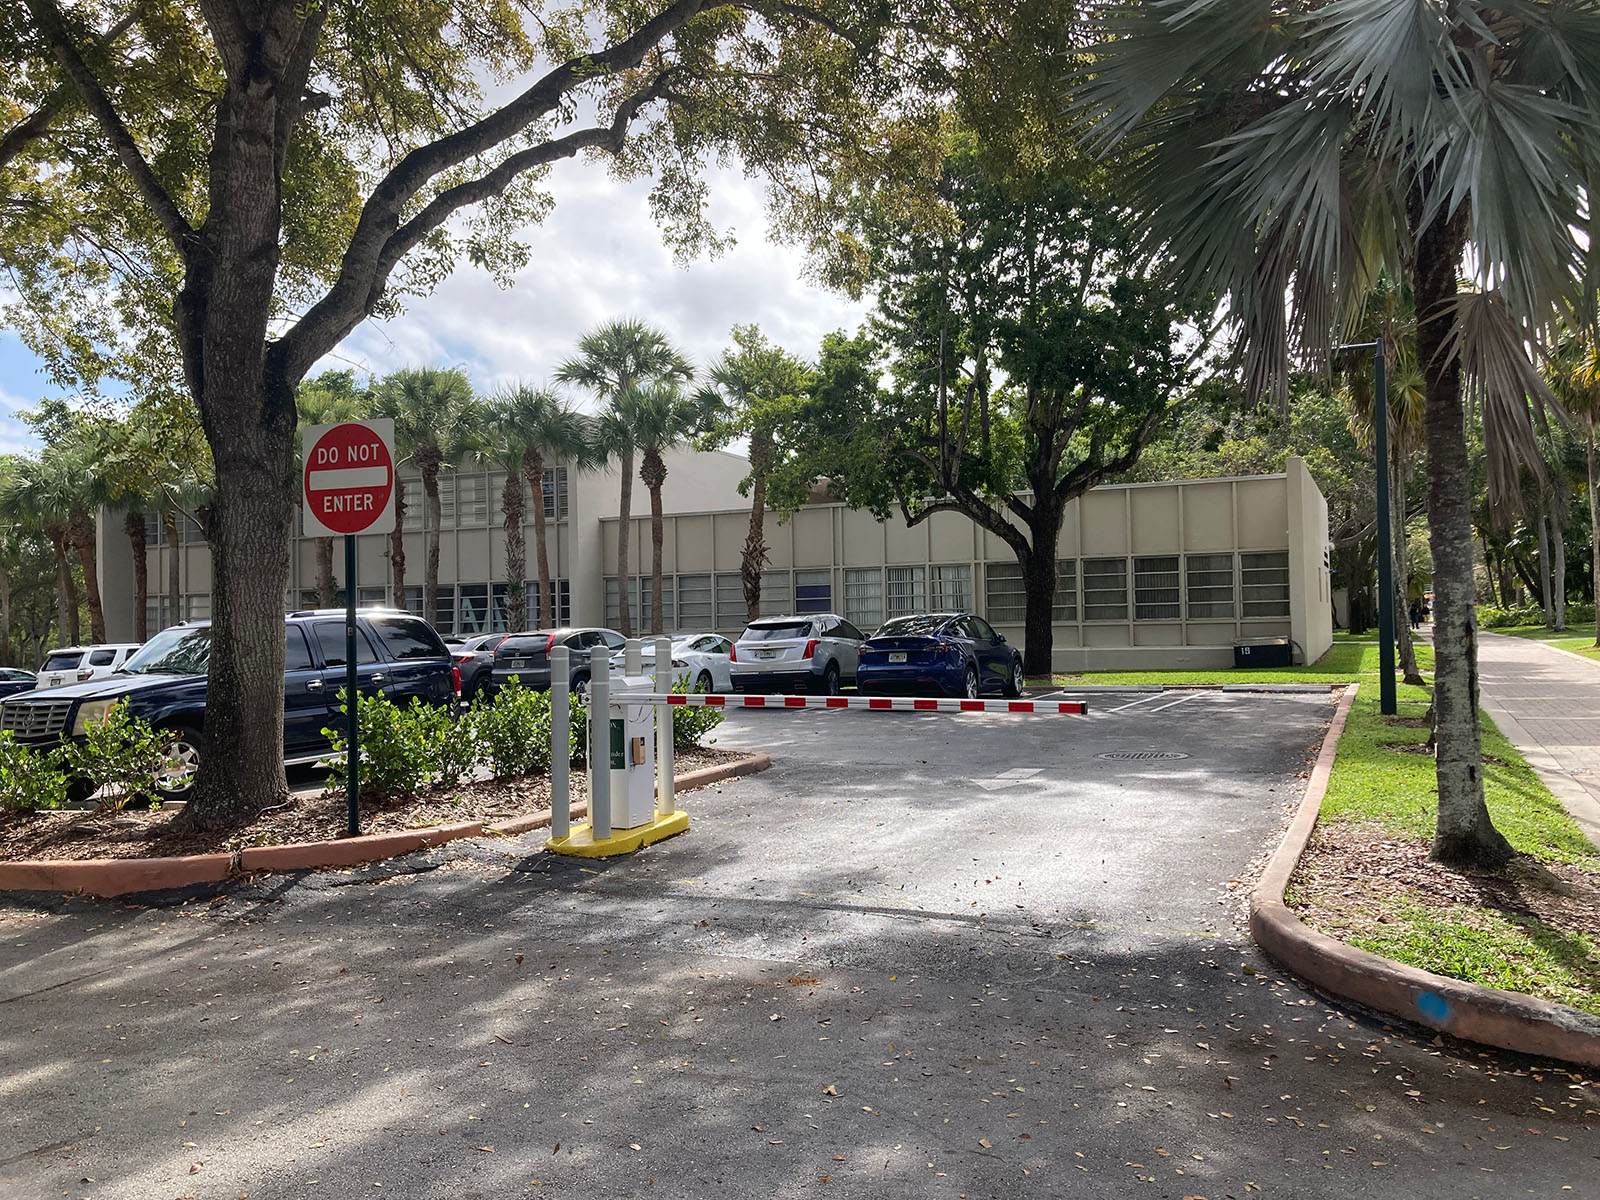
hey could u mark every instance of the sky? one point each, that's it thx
(596, 256)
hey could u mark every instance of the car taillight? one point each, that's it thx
(733, 653)
(85, 676)
(811, 648)
(461, 658)
(549, 643)
(455, 680)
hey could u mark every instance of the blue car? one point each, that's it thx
(956, 654)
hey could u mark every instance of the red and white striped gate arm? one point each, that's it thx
(1053, 708)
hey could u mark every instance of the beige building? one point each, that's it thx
(1151, 575)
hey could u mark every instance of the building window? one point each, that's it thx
(666, 603)
(907, 590)
(1155, 589)
(694, 602)
(1264, 579)
(1066, 605)
(863, 596)
(1105, 589)
(472, 499)
(155, 532)
(533, 618)
(1209, 579)
(190, 531)
(500, 607)
(444, 611)
(555, 494)
(413, 603)
(613, 603)
(472, 611)
(950, 587)
(731, 611)
(158, 613)
(777, 596)
(415, 502)
(1005, 599)
(447, 500)
(813, 591)
(372, 597)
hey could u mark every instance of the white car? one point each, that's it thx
(700, 661)
(80, 664)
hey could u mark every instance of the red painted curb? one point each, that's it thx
(113, 876)
(347, 852)
(1509, 1020)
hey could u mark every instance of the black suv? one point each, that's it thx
(397, 654)
(526, 657)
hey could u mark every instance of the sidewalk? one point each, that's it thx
(1548, 704)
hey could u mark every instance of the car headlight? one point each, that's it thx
(91, 712)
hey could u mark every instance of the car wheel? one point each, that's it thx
(703, 682)
(79, 790)
(580, 687)
(830, 680)
(175, 779)
(1014, 683)
(969, 683)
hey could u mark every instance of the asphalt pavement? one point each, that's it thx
(924, 955)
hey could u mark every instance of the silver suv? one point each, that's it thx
(813, 653)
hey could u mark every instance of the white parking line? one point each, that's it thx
(1134, 704)
(1180, 700)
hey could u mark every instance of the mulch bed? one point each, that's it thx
(149, 833)
(1351, 874)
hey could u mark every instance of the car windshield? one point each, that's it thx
(912, 626)
(62, 662)
(176, 651)
(780, 629)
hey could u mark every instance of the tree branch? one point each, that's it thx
(37, 123)
(47, 16)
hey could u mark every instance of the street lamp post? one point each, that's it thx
(1380, 410)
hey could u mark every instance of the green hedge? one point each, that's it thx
(1491, 616)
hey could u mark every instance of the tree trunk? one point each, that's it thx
(624, 524)
(81, 530)
(397, 546)
(1402, 573)
(1039, 578)
(324, 552)
(174, 568)
(755, 548)
(1464, 836)
(533, 471)
(66, 591)
(653, 472)
(1544, 568)
(133, 524)
(430, 567)
(5, 616)
(516, 549)
(1594, 528)
(1558, 574)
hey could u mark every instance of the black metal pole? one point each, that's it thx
(1380, 408)
(351, 707)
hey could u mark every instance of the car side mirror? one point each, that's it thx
(1000, 639)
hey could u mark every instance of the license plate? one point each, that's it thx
(766, 654)
(897, 656)
(54, 681)
(517, 662)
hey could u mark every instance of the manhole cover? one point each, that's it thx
(1142, 755)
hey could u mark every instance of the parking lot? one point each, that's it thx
(923, 955)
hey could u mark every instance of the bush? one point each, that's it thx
(1491, 616)
(513, 730)
(398, 757)
(30, 781)
(690, 724)
(122, 754)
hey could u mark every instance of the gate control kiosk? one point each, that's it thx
(633, 752)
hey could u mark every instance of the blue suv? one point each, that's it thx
(397, 655)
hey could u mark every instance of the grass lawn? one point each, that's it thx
(1348, 659)
(1577, 638)
(1366, 878)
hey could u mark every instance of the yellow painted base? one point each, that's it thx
(583, 843)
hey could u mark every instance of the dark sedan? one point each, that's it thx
(956, 654)
(526, 657)
(14, 680)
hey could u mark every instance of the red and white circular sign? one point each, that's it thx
(349, 478)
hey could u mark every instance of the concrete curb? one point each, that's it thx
(1508, 1020)
(107, 877)
(688, 781)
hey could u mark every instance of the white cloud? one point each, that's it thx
(598, 255)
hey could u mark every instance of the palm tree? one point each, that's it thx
(40, 490)
(1284, 157)
(505, 445)
(1575, 371)
(615, 362)
(660, 418)
(752, 388)
(436, 418)
(325, 400)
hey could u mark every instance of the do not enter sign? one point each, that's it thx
(349, 478)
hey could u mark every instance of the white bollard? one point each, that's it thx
(560, 742)
(666, 777)
(600, 742)
(633, 656)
